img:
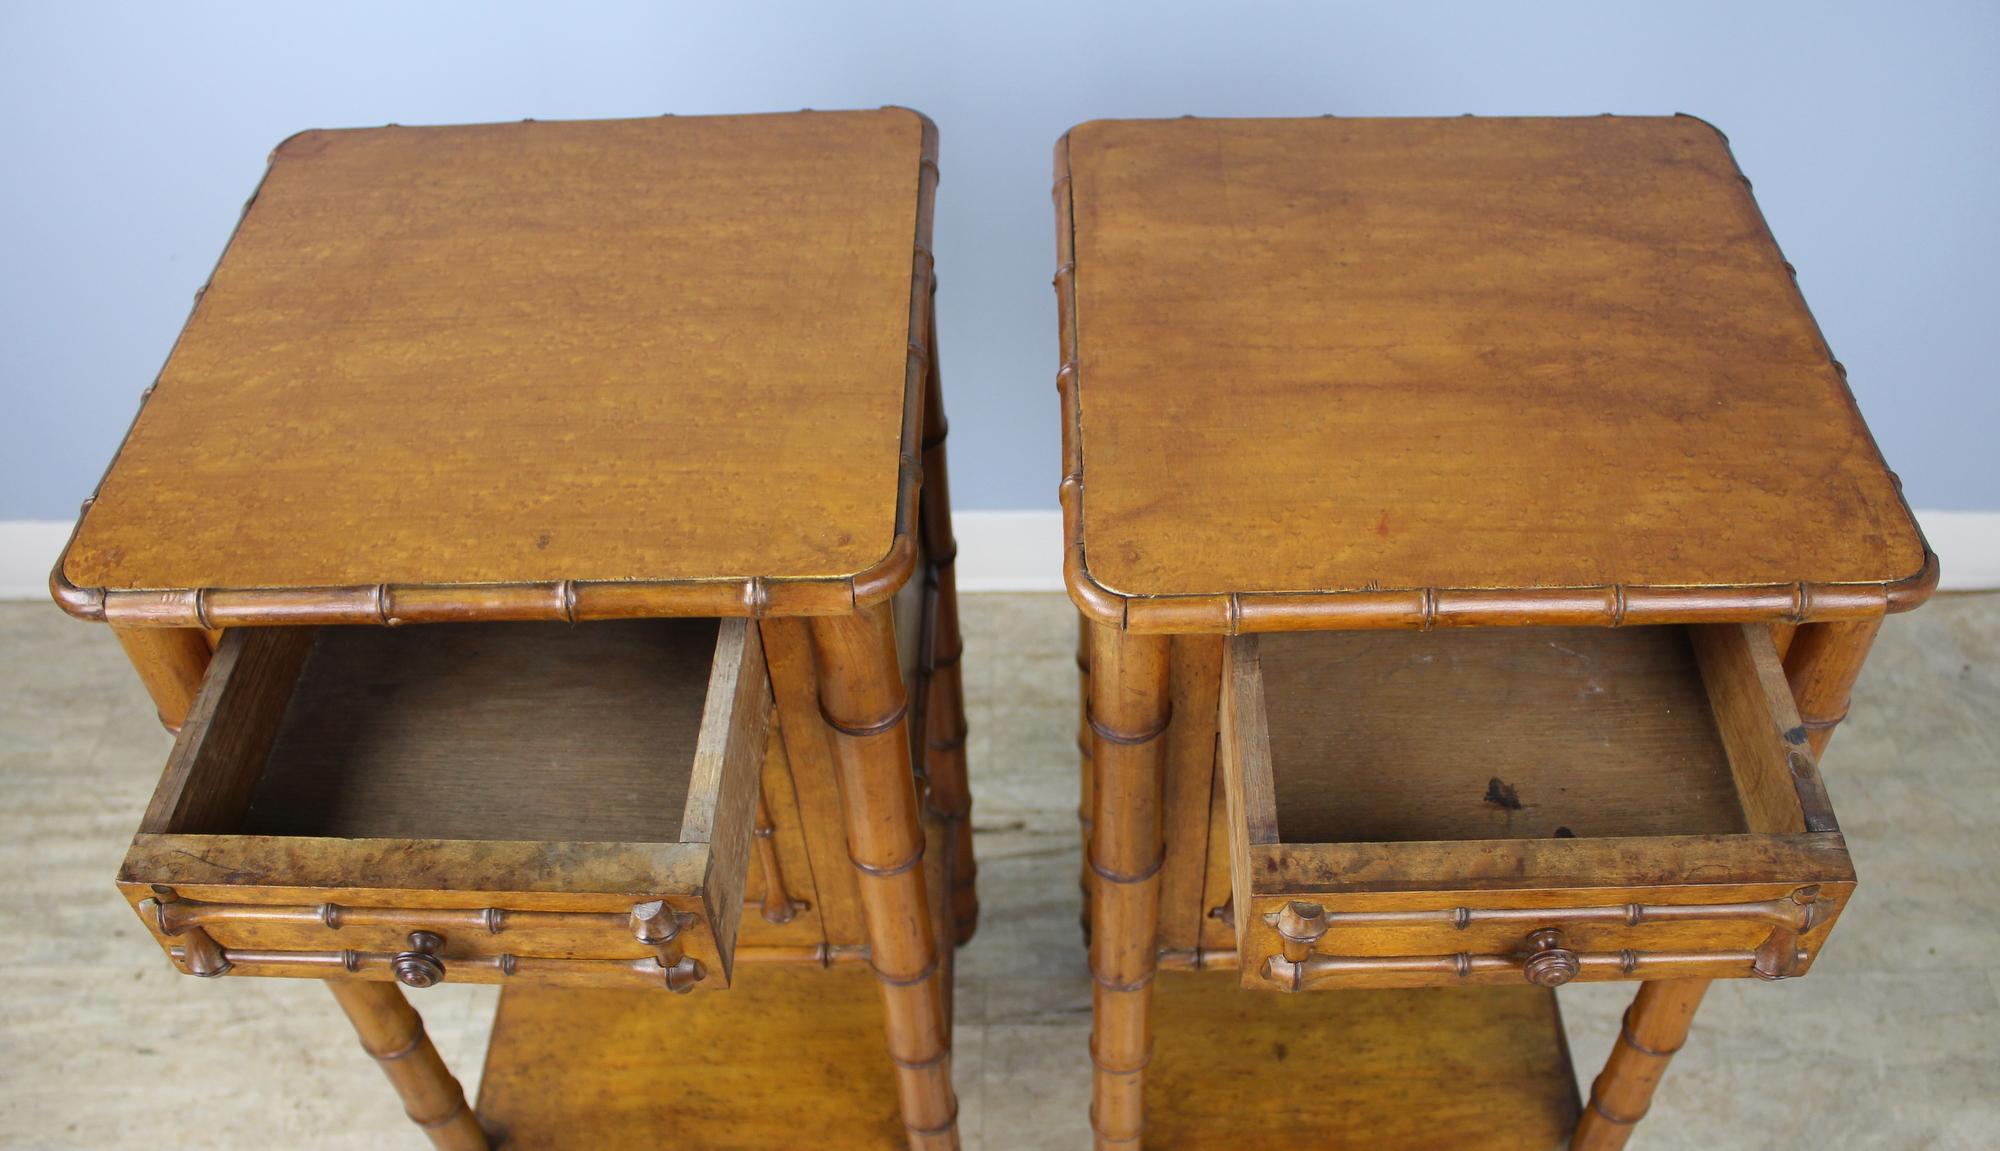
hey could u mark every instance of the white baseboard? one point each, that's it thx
(1002, 551)
(1008, 551)
(28, 551)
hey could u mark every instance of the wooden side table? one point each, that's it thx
(1335, 391)
(626, 379)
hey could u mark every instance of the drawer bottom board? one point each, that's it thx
(788, 1057)
(1465, 1069)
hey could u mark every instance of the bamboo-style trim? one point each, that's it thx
(569, 600)
(1422, 608)
(1490, 970)
(855, 657)
(393, 1035)
(1654, 1029)
(940, 680)
(1129, 677)
(1801, 911)
(388, 966)
(1199, 959)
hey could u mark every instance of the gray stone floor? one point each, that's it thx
(1894, 1042)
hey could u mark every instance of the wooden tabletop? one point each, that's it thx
(538, 370)
(1404, 372)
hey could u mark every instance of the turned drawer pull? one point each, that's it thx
(420, 966)
(1549, 964)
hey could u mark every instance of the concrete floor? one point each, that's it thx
(1893, 1042)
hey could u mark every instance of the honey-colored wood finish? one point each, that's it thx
(790, 1057)
(1129, 678)
(393, 1035)
(1822, 662)
(862, 698)
(1424, 1070)
(1655, 817)
(705, 439)
(1653, 1030)
(606, 372)
(1484, 371)
(940, 676)
(458, 811)
(808, 743)
(170, 662)
(1366, 375)
(1194, 682)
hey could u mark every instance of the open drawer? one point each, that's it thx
(1484, 806)
(491, 802)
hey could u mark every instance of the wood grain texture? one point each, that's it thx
(1387, 1070)
(1654, 1028)
(468, 781)
(219, 756)
(1759, 726)
(1492, 734)
(788, 654)
(551, 370)
(1494, 371)
(170, 662)
(788, 842)
(493, 731)
(393, 1035)
(725, 781)
(790, 1057)
(1193, 688)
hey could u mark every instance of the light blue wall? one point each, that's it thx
(129, 139)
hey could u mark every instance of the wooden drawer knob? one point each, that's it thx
(1549, 963)
(420, 966)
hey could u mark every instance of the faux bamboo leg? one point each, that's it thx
(170, 662)
(861, 697)
(1655, 1027)
(393, 1033)
(1821, 664)
(1083, 756)
(1128, 719)
(944, 709)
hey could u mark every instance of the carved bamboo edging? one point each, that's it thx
(1547, 960)
(1238, 613)
(397, 966)
(1801, 911)
(746, 594)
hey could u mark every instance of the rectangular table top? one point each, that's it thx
(1401, 372)
(564, 370)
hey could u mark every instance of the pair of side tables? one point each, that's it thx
(1474, 539)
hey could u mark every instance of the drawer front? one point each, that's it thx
(1757, 901)
(562, 911)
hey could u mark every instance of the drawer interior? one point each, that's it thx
(490, 731)
(542, 801)
(1421, 809)
(1517, 733)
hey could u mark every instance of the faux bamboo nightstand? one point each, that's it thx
(568, 394)
(1335, 392)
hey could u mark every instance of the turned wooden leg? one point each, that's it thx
(1821, 664)
(170, 662)
(1655, 1027)
(944, 704)
(393, 1033)
(1128, 722)
(861, 697)
(1083, 756)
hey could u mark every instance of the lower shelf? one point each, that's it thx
(1472, 1069)
(787, 1057)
